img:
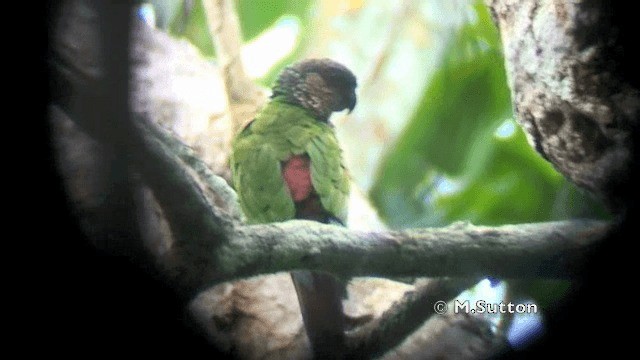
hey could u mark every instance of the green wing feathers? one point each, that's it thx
(278, 132)
(266, 198)
(328, 173)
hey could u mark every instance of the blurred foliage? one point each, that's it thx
(451, 138)
(257, 15)
(545, 293)
(188, 20)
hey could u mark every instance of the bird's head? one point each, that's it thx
(321, 86)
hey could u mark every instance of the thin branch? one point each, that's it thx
(396, 26)
(404, 317)
(224, 28)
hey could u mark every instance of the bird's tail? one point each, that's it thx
(320, 297)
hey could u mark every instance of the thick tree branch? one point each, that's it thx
(451, 336)
(185, 205)
(223, 196)
(550, 250)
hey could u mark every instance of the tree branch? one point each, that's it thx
(451, 336)
(225, 199)
(197, 224)
(404, 317)
(551, 250)
(224, 28)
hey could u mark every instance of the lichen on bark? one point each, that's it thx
(577, 111)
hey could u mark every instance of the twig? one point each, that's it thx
(395, 29)
(224, 27)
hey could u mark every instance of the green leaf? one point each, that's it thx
(460, 108)
(516, 186)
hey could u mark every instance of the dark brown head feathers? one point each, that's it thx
(321, 86)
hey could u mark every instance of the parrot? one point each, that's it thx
(287, 164)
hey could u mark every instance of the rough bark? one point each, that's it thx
(450, 336)
(546, 250)
(394, 328)
(562, 60)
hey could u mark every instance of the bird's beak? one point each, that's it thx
(352, 102)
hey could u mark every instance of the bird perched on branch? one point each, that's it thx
(287, 164)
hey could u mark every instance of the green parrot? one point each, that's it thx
(287, 164)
